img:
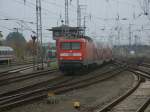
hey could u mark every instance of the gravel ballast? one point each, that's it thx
(97, 94)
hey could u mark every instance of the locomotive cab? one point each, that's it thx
(71, 54)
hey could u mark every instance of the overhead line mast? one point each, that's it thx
(39, 31)
(78, 14)
(66, 13)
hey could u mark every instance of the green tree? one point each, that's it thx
(17, 41)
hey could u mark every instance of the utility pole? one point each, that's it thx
(136, 40)
(78, 17)
(66, 13)
(78, 14)
(84, 24)
(119, 40)
(66, 18)
(146, 6)
(130, 36)
(39, 32)
(118, 29)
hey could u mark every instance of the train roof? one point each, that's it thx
(5, 48)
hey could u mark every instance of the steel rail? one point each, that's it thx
(121, 98)
(15, 70)
(56, 89)
(6, 100)
(140, 72)
(28, 87)
(144, 106)
(25, 77)
(129, 92)
(147, 102)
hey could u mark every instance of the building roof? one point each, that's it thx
(59, 28)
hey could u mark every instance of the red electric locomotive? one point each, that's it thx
(74, 54)
(76, 51)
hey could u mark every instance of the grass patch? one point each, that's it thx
(53, 65)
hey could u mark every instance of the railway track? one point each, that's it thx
(6, 81)
(143, 107)
(135, 63)
(15, 70)
(15, 64)
(145, 65)
(48, 75)
(19, 94)
(61, 86)
(12, 74)
(134, 99)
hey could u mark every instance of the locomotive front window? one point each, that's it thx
(75, 46)
(70, 46)
(66, 46)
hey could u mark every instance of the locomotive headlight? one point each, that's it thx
(80, 58)
(76, 54)
(63, 54)
(70, 54)
(61, 58)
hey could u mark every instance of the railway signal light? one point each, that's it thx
(34, 38)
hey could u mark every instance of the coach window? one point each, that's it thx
(76, 46)
(66, 46)
(3, 52)
(11, 52)
(8, 52)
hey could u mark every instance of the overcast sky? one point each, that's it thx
(101, 15)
